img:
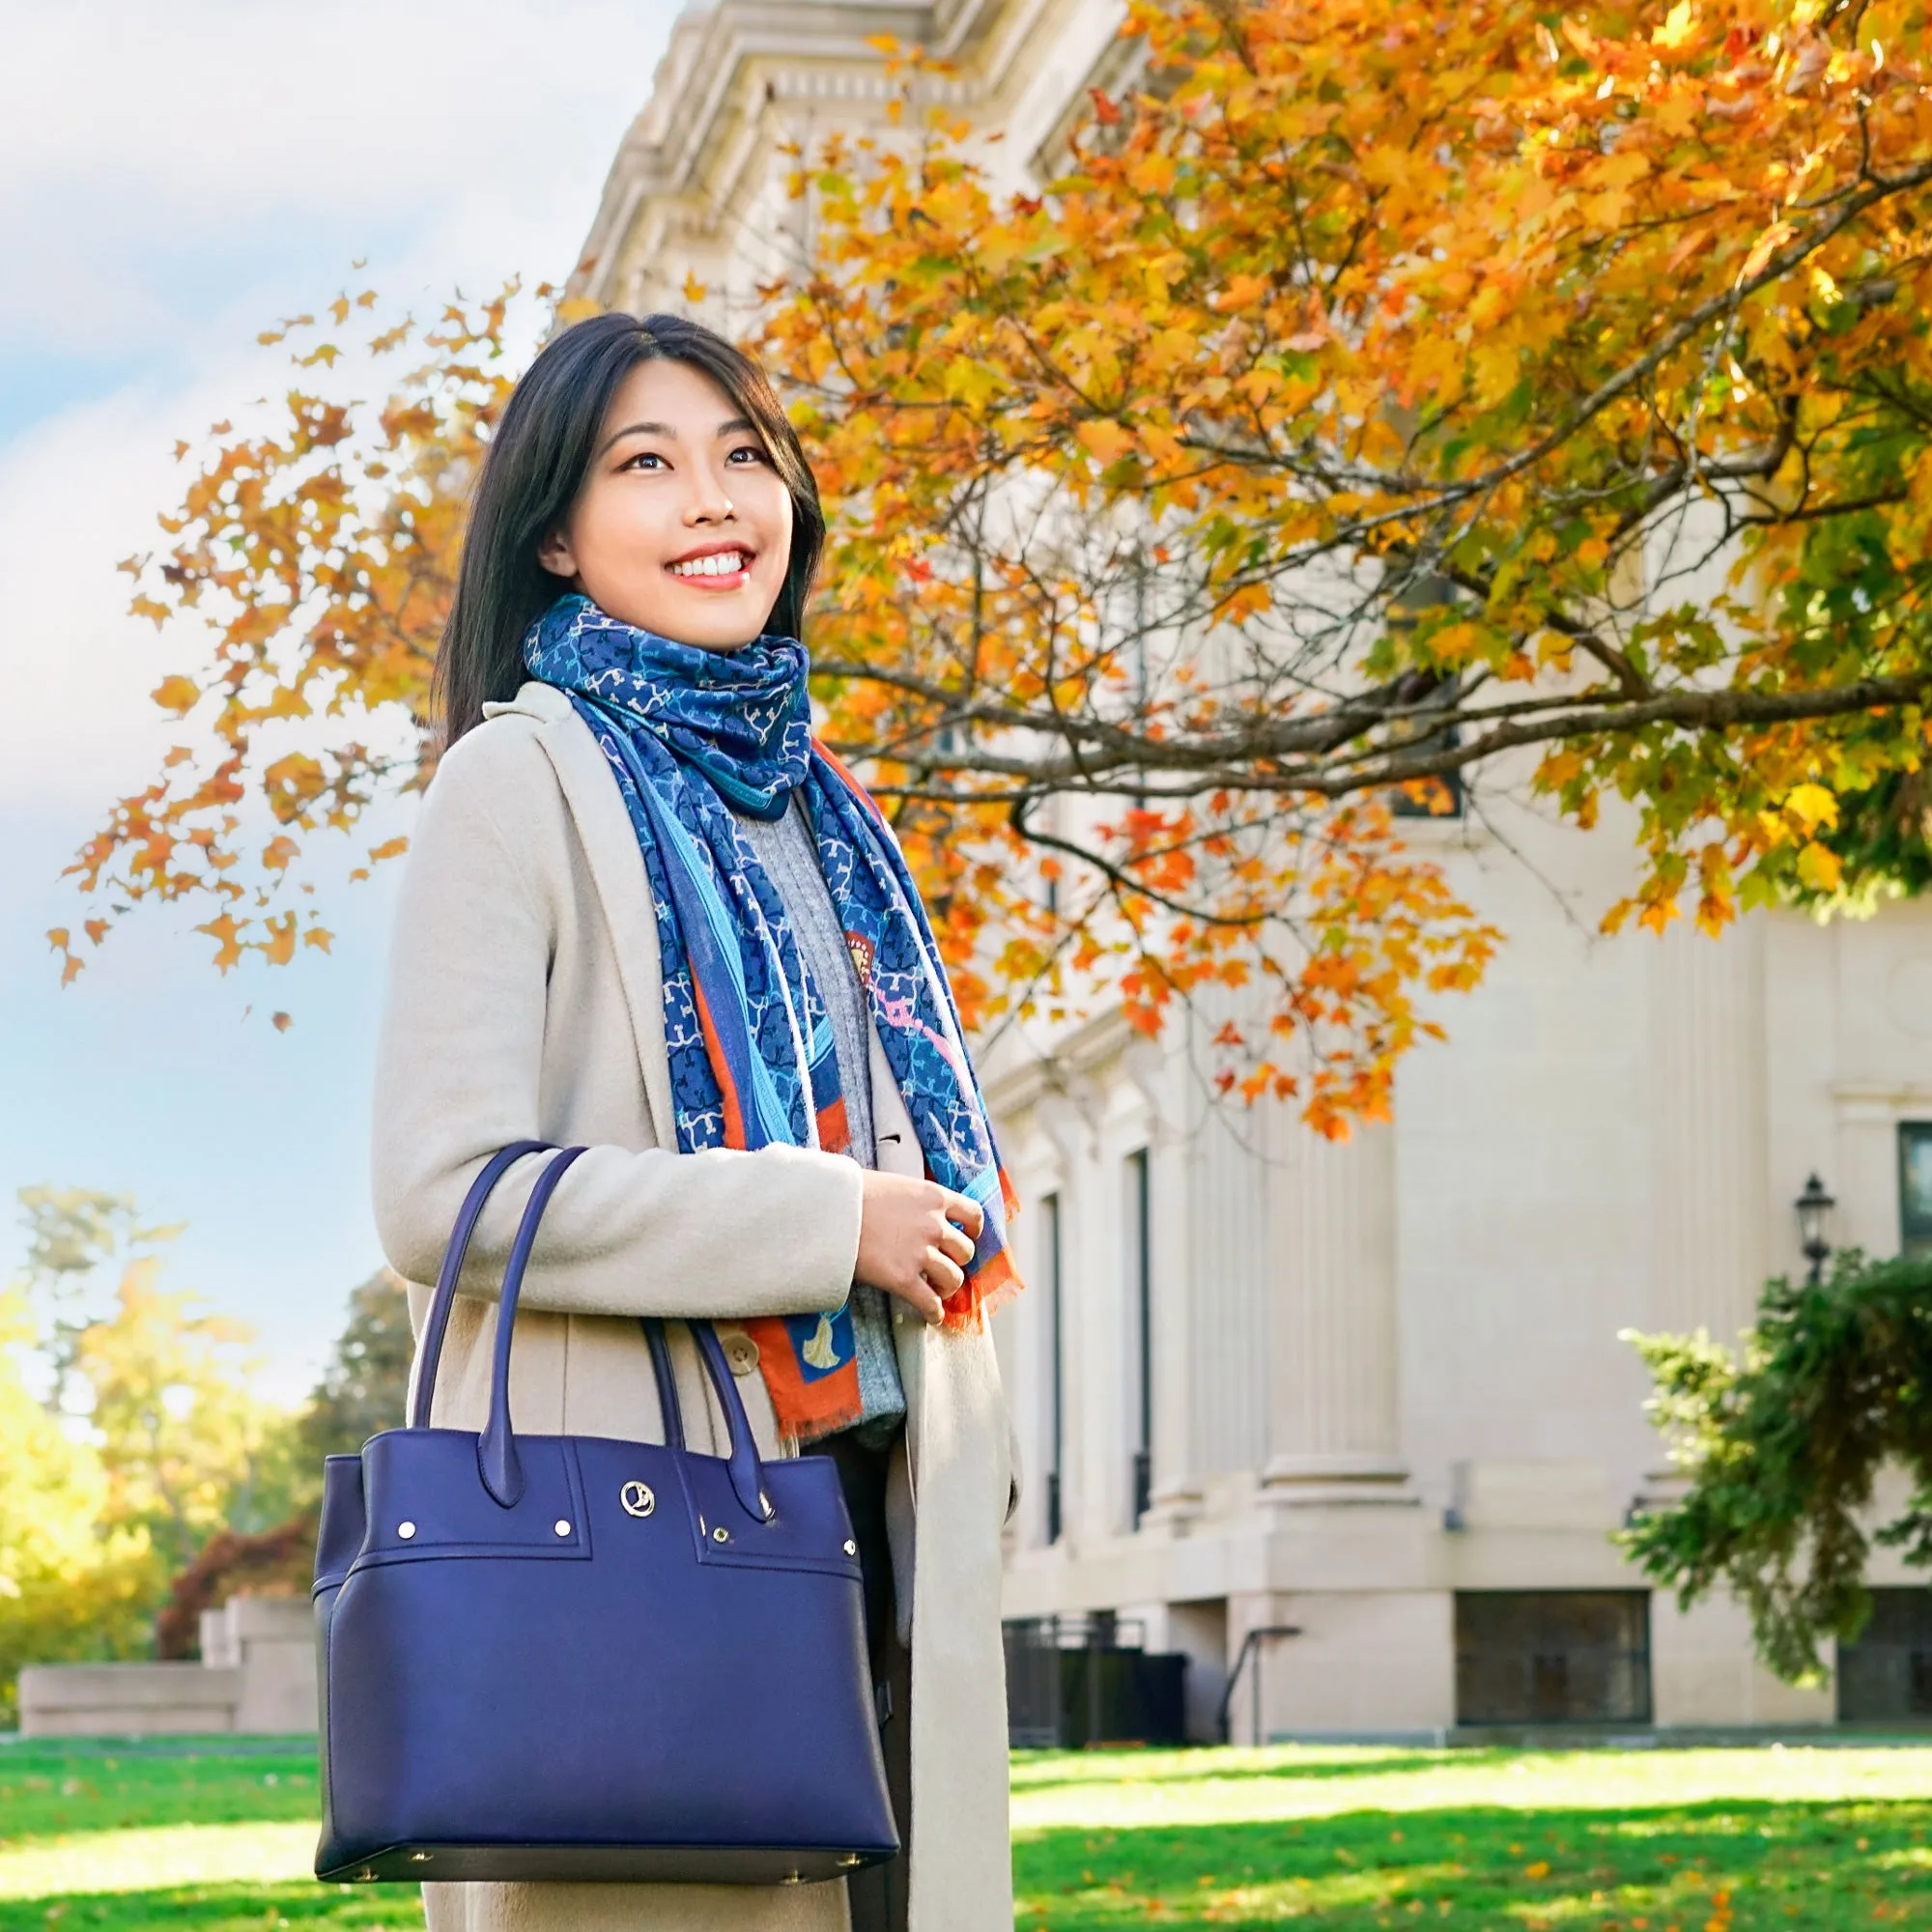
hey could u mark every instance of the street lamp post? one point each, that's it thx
(1813, 1206)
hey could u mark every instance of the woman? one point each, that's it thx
(644, 913)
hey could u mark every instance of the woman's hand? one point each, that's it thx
(914, 1239)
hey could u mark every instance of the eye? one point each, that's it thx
(751, 449)
(643, 456)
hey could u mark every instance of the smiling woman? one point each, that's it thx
(648, 917)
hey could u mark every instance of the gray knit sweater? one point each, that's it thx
(789, 854)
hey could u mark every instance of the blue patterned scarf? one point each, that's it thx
(691, 736)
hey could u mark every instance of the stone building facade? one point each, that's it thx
(1375, 1392)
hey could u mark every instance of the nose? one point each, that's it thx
(709, 503)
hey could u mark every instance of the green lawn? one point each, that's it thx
(1330, 1840)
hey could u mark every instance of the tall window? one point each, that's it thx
(1140, 1291)
(1056, 1362)
(1915, 1186)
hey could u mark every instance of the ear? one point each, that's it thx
(555, 554)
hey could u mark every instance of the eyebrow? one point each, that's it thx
(736, 426)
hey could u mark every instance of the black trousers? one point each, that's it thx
(878, 1894)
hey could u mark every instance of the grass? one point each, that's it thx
(204, 1839)
(1346, 1840)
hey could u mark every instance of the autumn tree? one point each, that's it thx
(68, 1589)
(1376, 397)
(76, 1236)
(128, 1434)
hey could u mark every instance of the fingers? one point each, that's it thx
(918, 1295)
(956, 1244)
(942, 1272)
(967, 1213)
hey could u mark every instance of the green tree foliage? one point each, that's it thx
(70, 1586)
(271, 1547)
(129, 1433)
(1782, 1441)
(365, 1386)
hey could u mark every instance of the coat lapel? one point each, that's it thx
(623, 886)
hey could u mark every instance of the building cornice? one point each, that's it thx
(736, 65)
(1074, 1058)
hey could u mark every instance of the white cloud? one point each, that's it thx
(146, 151)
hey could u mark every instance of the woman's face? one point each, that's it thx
(683, 526)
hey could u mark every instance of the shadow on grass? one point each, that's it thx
(1732, 1865)
(223, 1908)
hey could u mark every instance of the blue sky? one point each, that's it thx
(172, 179)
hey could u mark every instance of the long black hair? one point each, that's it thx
(538, 458)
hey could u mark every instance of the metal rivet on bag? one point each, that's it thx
(721, 1534)
(420, 1857)
(405, 1530)
(637, 1498)
(561, 1525)
(851, 1548)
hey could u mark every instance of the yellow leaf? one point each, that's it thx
(1680, 25)
(178, 694)
(1812, 806)
(1819, 867)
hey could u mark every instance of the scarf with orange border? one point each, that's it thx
(690, 736)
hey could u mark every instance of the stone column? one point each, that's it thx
(1710, 1131)
(1334, 1432)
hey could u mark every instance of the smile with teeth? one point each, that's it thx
(722, 563)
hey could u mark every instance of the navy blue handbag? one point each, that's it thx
(565, 1657)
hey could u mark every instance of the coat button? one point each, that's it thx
(741, 1352)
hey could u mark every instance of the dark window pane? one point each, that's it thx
(1552, 1656)
(1056, 1350)
(1140, 1262)
(1915, 1186)
(1886, 1677)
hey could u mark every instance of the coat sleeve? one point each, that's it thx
(629, 1231)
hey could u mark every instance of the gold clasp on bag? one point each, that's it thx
(637, 1498)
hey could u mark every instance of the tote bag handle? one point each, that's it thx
(499, 1463)
(436, 1322)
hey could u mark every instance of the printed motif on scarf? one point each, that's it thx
(689, 733)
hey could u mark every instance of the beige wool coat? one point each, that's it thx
(525, 1002)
